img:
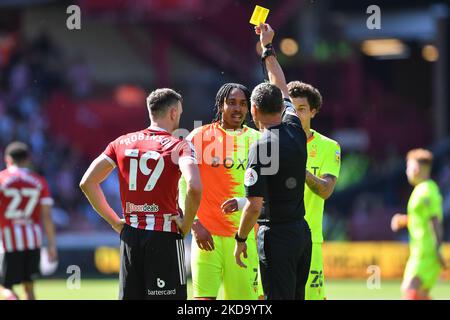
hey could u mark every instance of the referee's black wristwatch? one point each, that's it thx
(269, 50)
(238, 239)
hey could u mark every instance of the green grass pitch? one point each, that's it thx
(336, 290)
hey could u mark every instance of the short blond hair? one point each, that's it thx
(423, 156)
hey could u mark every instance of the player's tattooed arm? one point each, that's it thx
(322, 186)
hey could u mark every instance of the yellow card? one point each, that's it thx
(259, 15)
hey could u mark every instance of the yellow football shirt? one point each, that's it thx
(425, 203)
(324, 157)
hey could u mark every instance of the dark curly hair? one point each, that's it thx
(298, 89)
(223, 94)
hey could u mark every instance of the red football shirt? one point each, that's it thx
(21, 194)
(147, 161)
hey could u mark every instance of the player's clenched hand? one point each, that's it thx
(265, 32)
(229, 206)
(118, 226)
(394, 223)
(398, 221)
(202, 236)
(241, 247)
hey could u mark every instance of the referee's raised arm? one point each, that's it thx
(273, 70)
(274, 185)
(269, 59)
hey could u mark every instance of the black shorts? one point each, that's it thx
(285, 256)
(151, 265)
(18, 267)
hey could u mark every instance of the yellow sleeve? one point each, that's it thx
(432, 200)
(332, 162)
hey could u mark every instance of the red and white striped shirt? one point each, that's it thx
(21, 194)
(147, 161)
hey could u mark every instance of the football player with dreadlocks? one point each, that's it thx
(222, 149)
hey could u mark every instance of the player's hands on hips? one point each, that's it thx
(118, 226)
(202, 236)
(240, 247)
(265, 32)
(229, 206)
(184, 229)
(398, 221)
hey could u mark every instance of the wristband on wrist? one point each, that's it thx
(238, 239)
(268, 51)
(241, 203)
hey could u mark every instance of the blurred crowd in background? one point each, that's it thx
(56, 98)
(30, 73)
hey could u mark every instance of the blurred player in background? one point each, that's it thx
(222, 149)
(25, 200)
(150, 163)
(322, 171)
(424, 223)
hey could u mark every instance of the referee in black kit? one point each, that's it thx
(284, 237)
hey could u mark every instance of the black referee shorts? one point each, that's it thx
(285, 256)
(19, 266)
(151, 265)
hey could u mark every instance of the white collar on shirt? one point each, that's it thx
(157, 128)
(15, 168)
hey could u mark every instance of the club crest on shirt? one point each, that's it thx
(313, 152)
(338, 156)
(250, 177)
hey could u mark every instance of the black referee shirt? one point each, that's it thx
(276, 169)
